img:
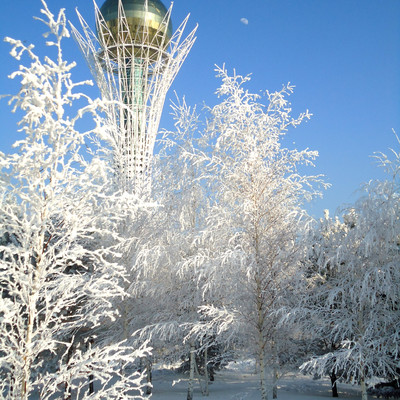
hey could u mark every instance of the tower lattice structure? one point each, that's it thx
(133, 68)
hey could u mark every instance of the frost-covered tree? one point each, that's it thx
(356, 304)
(165, 291)
(59, 273)
(318, 270)
(256, 219)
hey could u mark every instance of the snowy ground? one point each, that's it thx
(239, 383)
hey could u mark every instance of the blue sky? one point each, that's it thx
(343, 56)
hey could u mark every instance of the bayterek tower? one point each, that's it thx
(134, 57)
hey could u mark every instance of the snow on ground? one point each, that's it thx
(238, 382)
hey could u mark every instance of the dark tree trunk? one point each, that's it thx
(334, 386)
(149, 376)
(191, 373)
(91, 384)
(12, 381)
(67, 387)
(91, 376)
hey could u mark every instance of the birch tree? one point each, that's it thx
(255, 224)
(59, 270)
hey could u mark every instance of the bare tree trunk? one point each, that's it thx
(206, 391)
(261, 344)
(263, 383)
(67, 386)
(334, 385)
(149, 376)
(259, 299)
(91, 377)
(364, 395)
(274, 370)
(91, 384)
(12, 382)
(360, 325)
(26, 371)
(196, 370)
(191, 375)
(275, 382)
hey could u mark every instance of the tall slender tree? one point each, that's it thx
(255, 223)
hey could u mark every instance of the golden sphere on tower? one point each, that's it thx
(143, 34)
